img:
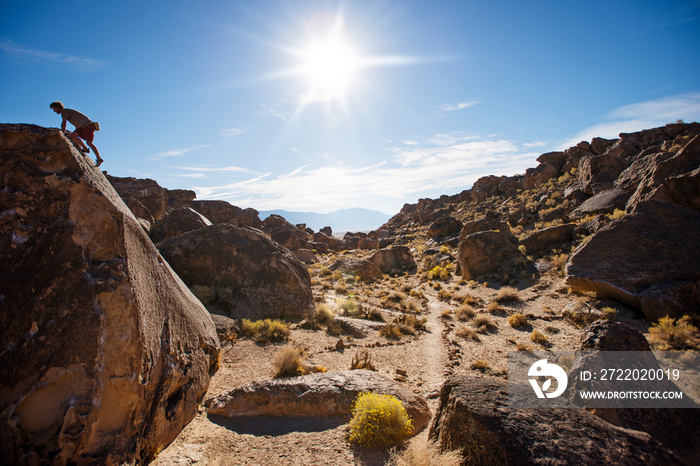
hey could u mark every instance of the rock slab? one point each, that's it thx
(324, 394)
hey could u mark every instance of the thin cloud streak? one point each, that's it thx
(178, 152)
(82, 63)
(409, 171)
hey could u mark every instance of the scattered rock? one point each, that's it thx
(444, 226)
(306, 256)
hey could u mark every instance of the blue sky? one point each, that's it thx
(317, 105)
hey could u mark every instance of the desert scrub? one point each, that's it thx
(379, 422)
(465, 312)
(539, 338)
(422, 452)
(324, 314)
(467, 332)
(444, 295)
(483, 323)
(362, 360)
(517, 320)
(508, 294)
(480, 365)
(671, 334)
(265, 331)
(439, 273)
(288, 361)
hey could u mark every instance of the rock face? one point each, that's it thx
(240, 272)
(105, 352)
(649, 259)
(473, 416)
(324, 394)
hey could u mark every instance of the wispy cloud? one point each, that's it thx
(642, 115)
(459, 106)
(204, 169)
(272, 112)
(233, 132)
(409, 172)
(177, 152)
(82, 63)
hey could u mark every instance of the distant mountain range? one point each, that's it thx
(354, 220)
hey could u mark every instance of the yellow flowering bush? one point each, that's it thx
(379, 422)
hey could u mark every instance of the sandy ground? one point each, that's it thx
(427, 359)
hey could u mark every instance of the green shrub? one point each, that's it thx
(379, 422)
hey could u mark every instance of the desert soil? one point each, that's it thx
(427, 359)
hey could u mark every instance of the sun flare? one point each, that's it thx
(330, 67)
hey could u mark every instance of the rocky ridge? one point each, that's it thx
(572, 217)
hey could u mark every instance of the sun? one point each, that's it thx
(330, 67)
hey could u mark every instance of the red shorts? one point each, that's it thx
(86, 132)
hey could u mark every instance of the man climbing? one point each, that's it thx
(84, 128)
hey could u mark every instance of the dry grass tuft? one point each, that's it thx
(362, 360)
(289, 361)
(464, 331)
(465, 312)
(421, 452)
(480, 365)
(508, 294)
(517, 320)
(539, 338)
(484, 323)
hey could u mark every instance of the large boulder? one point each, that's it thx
(149, 193)
(473, 417)
(483, 247)
(598, 173)
(547, 237)
(361, 268)
(223, 212)
(242, 273)
(675, 428)
(602, 203)
(323, 394)
(649, 259)
(444, 226)
(394, 259)
(177, 222)
(105, 352)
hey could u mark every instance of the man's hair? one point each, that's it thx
(57, 105)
